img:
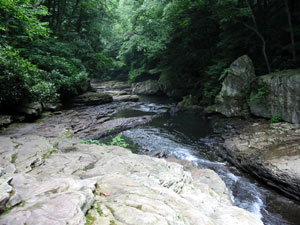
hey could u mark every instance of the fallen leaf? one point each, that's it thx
(105, 193)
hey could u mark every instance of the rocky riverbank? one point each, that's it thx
(269, 151)
(49, 177)
(60, 180)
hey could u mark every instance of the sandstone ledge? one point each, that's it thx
(60, 180)
(271, 152)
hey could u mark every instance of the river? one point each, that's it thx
(188, 137)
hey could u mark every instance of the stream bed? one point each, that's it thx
(187, 137)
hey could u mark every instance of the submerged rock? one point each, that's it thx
(232, 99)
(277, 94)
(113, 185)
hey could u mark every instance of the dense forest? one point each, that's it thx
(50, 49)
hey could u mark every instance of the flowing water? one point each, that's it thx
(186, 136)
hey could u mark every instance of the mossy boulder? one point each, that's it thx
(232, 99)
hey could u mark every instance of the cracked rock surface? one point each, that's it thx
(110, 184)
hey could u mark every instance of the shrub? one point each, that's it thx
(119, 141)
(20, 79)
(275, 118)
(262, 91)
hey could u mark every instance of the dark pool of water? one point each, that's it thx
(185, 137)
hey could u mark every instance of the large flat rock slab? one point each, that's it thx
(63, 181)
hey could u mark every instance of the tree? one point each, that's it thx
(291, 28)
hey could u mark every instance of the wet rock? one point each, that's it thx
(232, 99)
(113, 126)
(277, 93)
(81, 122)
(126, 98)
(92, 98)
(149, 87)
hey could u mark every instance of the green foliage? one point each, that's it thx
(98, 210)
(20, 79)
(224, 74)
(276, 118)
(20, 17)
(39, 64)
(49, 153)
(50, 49)
(212, 85)
(14, 157)
(262, 91)
(89, 219)
(119, 141)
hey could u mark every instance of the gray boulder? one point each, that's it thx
(5, 120)
(92, 98)
(52, 106)
(232, 99)
(277, 93)
(31, 109)
(149, 87)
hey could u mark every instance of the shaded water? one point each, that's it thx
(186, 137)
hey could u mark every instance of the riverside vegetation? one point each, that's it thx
(55, 52)
(50, 49)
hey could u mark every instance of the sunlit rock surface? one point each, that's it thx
(60, 180)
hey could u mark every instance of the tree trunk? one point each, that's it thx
(79, 21)
(60, 14)
(72, 15)
(291, 29)
(261, 37)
